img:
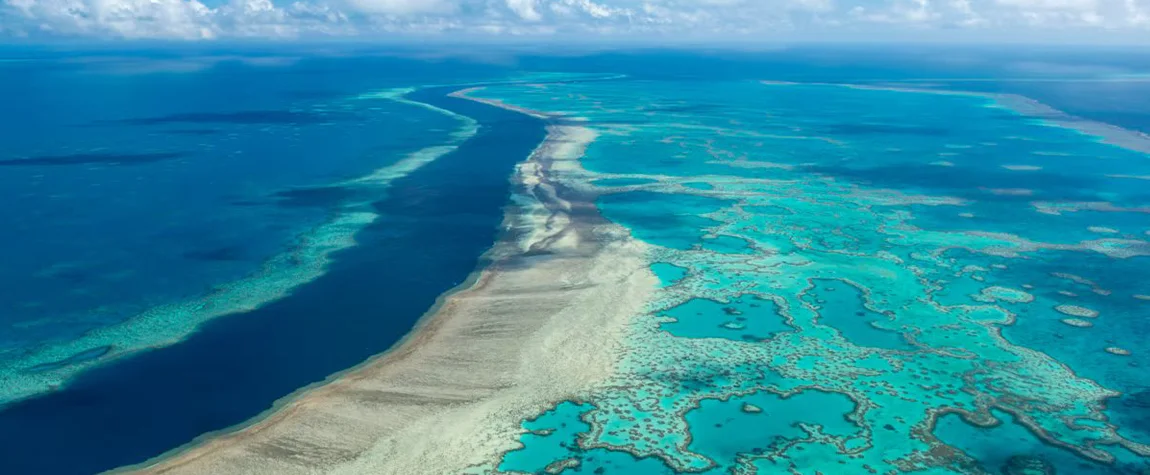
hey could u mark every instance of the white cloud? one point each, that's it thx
(195, 19)
(184, 19)
(1049, 5)
(405, 7)
(1137, 14)
(525, 9)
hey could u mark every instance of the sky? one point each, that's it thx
(1069, 21)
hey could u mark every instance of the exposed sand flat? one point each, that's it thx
(543, 323)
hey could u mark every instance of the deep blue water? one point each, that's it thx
(134, 178)
(434, 224)
(131, 183)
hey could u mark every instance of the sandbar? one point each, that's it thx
(542, 323)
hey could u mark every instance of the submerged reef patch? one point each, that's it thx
(829, 313)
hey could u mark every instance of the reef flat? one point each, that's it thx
(540, 323)
(718, 277)
(233, 369)
(859, 280)
(51, 365)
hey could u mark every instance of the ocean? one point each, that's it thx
(870, 261)
(887, 276)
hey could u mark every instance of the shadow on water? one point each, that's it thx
(434, 225)
(93, 159)
(243, 117)
(319, 196)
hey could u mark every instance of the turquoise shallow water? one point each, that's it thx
(140, 204)
(318, 204)
(818, 250)
(859, 280)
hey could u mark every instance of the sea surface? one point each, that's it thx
(262, 241)
(862, 277)
(871, 262)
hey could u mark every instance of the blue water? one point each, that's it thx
(174, 178)
(668, 274)
(1009, 444)
(554, 437)
(235, 367)
(664, 218)
(841, 307)
(872, 214)
(137, 179)
(747, 318)
(726, 429)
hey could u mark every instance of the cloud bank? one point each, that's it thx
(599, 19)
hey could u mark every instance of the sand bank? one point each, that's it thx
(541, 324)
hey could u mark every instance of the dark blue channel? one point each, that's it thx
(435, 225)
